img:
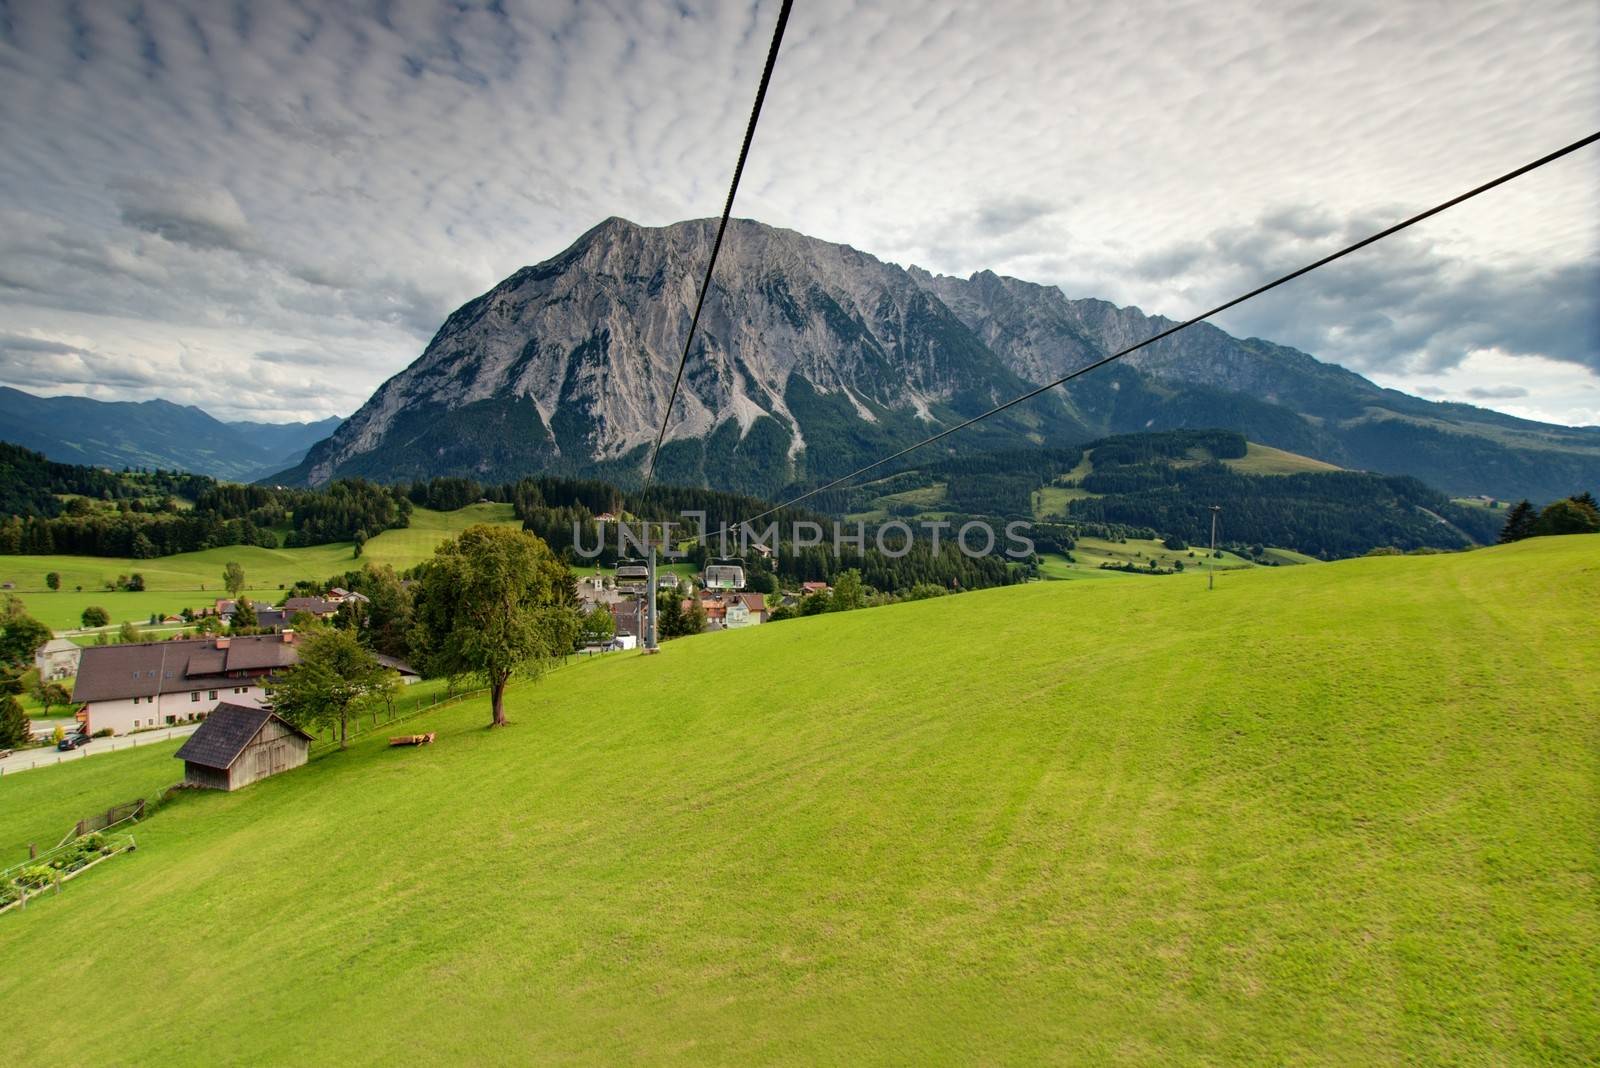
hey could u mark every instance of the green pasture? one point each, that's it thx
(1322, 815)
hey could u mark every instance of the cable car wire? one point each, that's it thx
(716, 246)
(1275, 283)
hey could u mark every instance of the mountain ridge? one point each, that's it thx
(815, 357)
(153, 433)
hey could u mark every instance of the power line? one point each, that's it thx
(1291, 276)
(727, 210)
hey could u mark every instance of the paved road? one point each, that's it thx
(37, 758)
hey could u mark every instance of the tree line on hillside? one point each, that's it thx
(69, 508)
(30, 483)
(1328, 514)
(1578, 514)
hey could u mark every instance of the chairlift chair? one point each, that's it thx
(725, 573)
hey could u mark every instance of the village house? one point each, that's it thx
(628, 618)
(815, 587)
(57, 659)
(155, 684)
(745, 610)
(320, 607)
(408, 674)
(592, 594)
(241, 744)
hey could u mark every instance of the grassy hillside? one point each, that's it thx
(1320, 815)
(1265, 460)
(195, 579)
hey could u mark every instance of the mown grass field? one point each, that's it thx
(42, 803)
(1090, 553)
(195, 579)
(1320, 815)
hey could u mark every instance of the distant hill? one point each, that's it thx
(153, 433)
(815, 357)
(1164, 484)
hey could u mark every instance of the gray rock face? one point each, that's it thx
(594, 337)
(813, 357)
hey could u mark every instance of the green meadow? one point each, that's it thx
(194, 580)
(1328, 815)
(1265, 460)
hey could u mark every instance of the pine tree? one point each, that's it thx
(1519, 524)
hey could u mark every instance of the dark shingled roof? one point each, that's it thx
(225, 733)
(144, 669)
(394, 663)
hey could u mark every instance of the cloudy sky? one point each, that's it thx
(265, 208)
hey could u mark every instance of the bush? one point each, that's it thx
(95, 616)
(103, 732)
(37, 877)
(8, 894)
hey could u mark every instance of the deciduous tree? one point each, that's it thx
(598, 627)
(1568, 516)
(50, 694)
(848, 593)
(233, 578)
(335, 680)
(494, 603)
(16, 730)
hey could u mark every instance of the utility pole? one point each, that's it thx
(650, 600)
(1211, 568)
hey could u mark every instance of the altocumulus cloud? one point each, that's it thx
(266, 208)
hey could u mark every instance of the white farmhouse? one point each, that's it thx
(158, 684)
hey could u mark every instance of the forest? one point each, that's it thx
(72, 508)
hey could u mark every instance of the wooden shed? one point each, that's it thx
(238, 744)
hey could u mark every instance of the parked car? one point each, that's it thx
(72, 741)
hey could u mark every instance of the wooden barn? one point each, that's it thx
(238, 744)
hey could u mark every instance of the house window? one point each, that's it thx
(213, 695)
(171, 720)
(135, 723)
(195, 696)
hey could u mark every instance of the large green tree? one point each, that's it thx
(1571, 515)
(387, 620)
(20, 635)
(597, 627)
(493, 603)
(335, 680)
(16, 730)
(95, 616)
(243, 620)
(848, 593)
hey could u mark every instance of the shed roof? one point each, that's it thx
(394, 663)
(225, 733)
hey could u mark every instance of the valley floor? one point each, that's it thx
(1320, 815)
